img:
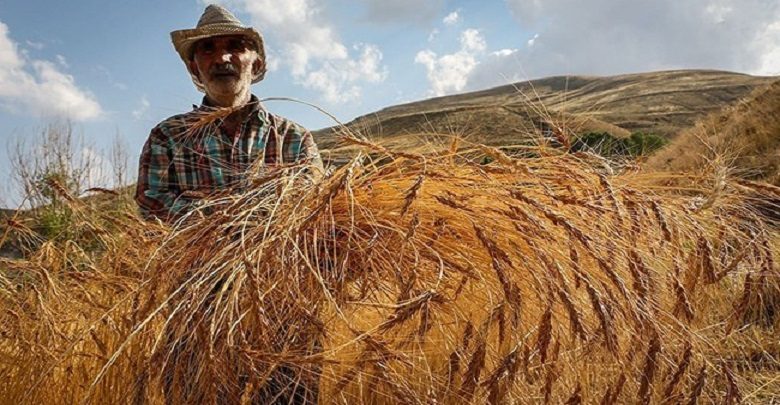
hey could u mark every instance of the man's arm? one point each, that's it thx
(156, 192)
(311, 154)
(298, 146)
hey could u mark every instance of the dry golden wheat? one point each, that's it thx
(404, 278)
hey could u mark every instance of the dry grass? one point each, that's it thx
(745, 134)
(423, 277)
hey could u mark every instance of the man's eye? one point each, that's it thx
(236, 45)
(206, 47)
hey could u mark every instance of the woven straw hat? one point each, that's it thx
(215, 21)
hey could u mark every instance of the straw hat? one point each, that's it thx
(215, 21)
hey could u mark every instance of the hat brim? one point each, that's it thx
(184, 40)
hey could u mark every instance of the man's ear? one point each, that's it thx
(257, 66)
(194, 69)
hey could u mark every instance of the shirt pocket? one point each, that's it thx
(187, 166)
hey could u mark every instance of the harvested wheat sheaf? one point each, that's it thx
(406, 278)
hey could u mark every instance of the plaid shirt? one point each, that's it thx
(176, 165)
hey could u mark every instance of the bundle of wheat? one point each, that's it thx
(407, 279)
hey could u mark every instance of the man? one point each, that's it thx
(180, 165)
(184, 160)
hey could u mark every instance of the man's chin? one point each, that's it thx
(224, 87)
(224, 78)
(224, 94)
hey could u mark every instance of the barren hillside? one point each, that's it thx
(658, 102)
(746, 133)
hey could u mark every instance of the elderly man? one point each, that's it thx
(176, 170)
(179, 166)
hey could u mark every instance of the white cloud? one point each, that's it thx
(472, 67)
(495, 69)
(272, 59)
(9, 55)
(142, 109)
(504, 52)
(611, 36)
(39, 87)
(450, 73)
(451, 18)
(338, 82)
(472, 40)
(770, 61)
(310, 48)
(433, 35)
(718, 12)
(532, 41)
(34, 45)
(62, 61)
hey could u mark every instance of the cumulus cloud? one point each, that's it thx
(450, 73)
(610, 36)
(39, 87)
(403, 11)
(310, 48)
(495, 69)
(338, 82)
(451, 18)
(472, 67)
(472, 40)
(272, 59)
(770, 61)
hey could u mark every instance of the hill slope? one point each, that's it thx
(747, 133)
(659, 102)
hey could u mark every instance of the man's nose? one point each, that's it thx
(225, 56)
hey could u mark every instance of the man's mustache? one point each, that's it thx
(224, 69)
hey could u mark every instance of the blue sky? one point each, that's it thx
(110, 68)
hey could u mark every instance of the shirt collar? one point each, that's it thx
(258, 109)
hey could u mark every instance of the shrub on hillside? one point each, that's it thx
(608, 145)
(53, 168)
(643, 144)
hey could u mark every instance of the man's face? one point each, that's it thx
(225, 65)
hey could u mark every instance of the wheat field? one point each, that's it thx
(461, 275)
